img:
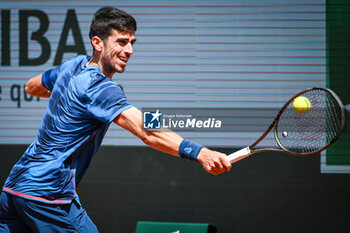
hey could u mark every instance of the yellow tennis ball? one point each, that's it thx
(301, 105)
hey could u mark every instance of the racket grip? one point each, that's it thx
(238, 155)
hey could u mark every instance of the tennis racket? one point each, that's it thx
(303, 134)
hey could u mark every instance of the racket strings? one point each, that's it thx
(335, 122)
(313, 130)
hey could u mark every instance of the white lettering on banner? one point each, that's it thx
(192, 123)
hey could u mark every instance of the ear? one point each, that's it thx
(97, 43)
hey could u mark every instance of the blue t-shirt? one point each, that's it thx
(82, 105)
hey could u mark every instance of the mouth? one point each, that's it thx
(124, 60)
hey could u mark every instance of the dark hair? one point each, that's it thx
(108, 18)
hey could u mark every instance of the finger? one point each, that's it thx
(218, 168)
(222, 165)
(226, 164)
(211, 169)
(216, 171)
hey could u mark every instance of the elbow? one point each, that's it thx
(27, 89)
(30, 90)
(148, 139)
(33, 86)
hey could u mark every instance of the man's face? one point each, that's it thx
(118, 48)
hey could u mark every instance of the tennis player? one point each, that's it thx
(40, 192)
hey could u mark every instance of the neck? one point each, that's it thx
(97, 62)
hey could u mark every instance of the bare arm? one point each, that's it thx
(34, 87)
(167, 141)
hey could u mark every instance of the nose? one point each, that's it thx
(129, 49)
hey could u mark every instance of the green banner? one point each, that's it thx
(338, 71)
(171, 227)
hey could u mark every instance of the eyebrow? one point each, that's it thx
(125, 39)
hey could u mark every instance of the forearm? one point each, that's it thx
(169, 142)
(163, 140)
(172, 143)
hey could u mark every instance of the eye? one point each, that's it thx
(122, 42)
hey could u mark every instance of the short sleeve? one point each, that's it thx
(106, 100)
(49, 77)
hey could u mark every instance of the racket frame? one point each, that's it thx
(245, 152)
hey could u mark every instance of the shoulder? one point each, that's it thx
(77, 61)
(104, 87)
(95, 77)
(91, 80)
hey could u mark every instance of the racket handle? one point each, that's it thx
(238, 155)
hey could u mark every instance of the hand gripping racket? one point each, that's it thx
(303, 133)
